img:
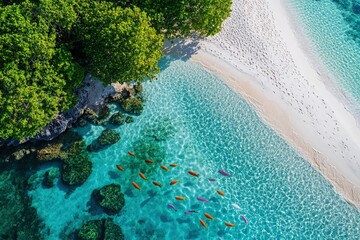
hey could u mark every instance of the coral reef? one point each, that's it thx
(129, 119)
(51, 152)
(97, 115)
(110, 198)
(161, 129)
(109, 137)
(91, 230)
(118, 119)
(50, 177)
(104, 229)
(132, 105)
(106, 138)
(77, 167)
(19, 219)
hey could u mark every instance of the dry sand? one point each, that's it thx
(259, 53)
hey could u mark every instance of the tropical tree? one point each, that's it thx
(183, 17)
(36, 76)
(119, 44)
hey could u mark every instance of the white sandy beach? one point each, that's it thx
(260, 54)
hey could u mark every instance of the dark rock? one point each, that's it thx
(118, 119)
(91, 94)
(107, 137)
(129, 119)
(97, 115)
(81, 122)
(104, 229)
(112, 231)
(138, 88)
(50, 177)
(110, 198)
(132, 105)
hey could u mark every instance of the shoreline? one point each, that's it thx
(258, 55)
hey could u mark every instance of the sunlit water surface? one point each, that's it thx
(191, 118)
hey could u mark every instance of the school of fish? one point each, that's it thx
(181, 198)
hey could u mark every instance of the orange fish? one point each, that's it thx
(131, 154)
(203, 223)
(229, 224)
(174, 182)
(119, 167)
(220, 192)
(149, 161)
(142, 176)
(135, 185)
(193, 173)
(208, 216)
(179, 198)
(173, 165)
(164, 167)
(157, 184)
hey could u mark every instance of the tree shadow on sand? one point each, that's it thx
(179, 49)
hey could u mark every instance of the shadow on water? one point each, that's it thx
(179, 49)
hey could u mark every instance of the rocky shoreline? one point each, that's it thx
(92, 94)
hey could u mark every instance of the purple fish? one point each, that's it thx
(172, 206)
(224, 173)
(244, 218)
(190, 212)
(202, 199)
(212, 179)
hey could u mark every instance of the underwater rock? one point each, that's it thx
(138, 88)
(50, 177)
(148, 148)
(132, 105)
(51, 152)
(112, 231)
(104, 229)
(110, 198)
(81, 122)
(77, 167)
(161, 129)
(19, 219)
(91, 230)
(109, 137)
(129, 119)
(34, 180)
(97, 115)
(118, 119)
(106, 138)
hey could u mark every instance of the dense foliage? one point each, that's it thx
(130, 48)
(47, 45)
(36, 75)
(180, 18)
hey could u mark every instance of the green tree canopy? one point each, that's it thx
(182, 17)
(43, 43)
(119, 44)
(36, 76)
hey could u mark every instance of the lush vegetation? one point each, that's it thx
(46, 46)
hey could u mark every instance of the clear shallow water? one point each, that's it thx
(333, 30)
(208, 127)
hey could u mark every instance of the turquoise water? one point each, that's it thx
(333, 30)
(191, 118)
